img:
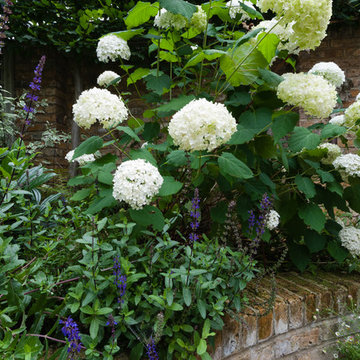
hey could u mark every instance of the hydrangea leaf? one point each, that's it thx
(314, 241)
(89, 146)
(299, 255)
(305, 185)
(231, 165)
(268, 47)
(127, 34)
(141, 13)
(101, 203)
(179, 7)
(138, 74)
(239, 98)
(283, 123)
(174, 105)
(271, 78)
(170, 186)
(241, 65)
(338, 252)
(143, 154)
(147, 216)
(303, 138)
(352, 195)
(250, 124)
(331, 130)
(313, 216)
(158, 84)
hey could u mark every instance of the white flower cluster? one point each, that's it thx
(333, 151)
(272, 220)
(357, 97)
(337, 120)
(82, 160)
(165, 20)
(329, 71)
(107, 77)
(111, 47)
(352, 114)
(202, 125)
(136, 182)
(235, 8)
(309, 19)
(350, 239)
(312, 92)
(99, 104)
(199, 19)
(347, 165)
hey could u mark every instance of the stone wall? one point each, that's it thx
(300, 326)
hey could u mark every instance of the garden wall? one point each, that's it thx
(342, 45)
(301, 324)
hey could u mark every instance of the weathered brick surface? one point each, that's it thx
(302, 323)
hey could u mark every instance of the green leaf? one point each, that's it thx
(170, 186)
(174, 105)
(176, 307)
(331, 130)
(206, 329)
(81, 194)
(141, 13)
(314, 241)
(250, 124)
(179, 7)
(299, 255)
(338, 252)
(270, 77)
(158, 84)
(128, 131)
(283, 124)
(313, 216)
(169, 296)
(303, 138)
(187, 296)
(101, 203)
(238, 98)
(352, 195)
(245, 38)
(268, 47)
(147, 216)
(232, 166)
(201, 305)
(127, 34)
(104, 311)
(305, 185)
(138, 74)
(87, 310)
(177, 158)
(201, 348)
(241, 65)
(89, 146)
(143, 154)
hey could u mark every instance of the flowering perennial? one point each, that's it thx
(165, 20)
(350, 239)
(120, 280)
(72, 334)
(34, 86)
(352, 114)
(337, 120)
(151, 350)
(199, 19)
(333, 151)
(99, 104)
(202, 125)
(310, 19)
(348, 165)
(329, 71)
(195, 215)
(272, 220)
(82, 160)
(235, 8)
(136, 182)
(107, 77)
(111, 47)
(312, 92)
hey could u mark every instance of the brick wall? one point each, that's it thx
(300, 326)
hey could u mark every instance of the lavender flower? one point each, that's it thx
(120, 280)
(34, 86)
(195, 215)
(151, 350)
(72, 334)
(4, 19)
(111, 322)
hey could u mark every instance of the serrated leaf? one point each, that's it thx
(268, 47)
(179, 7)
(141, 13)
(177, 158)
(174, 105)
(170, 186)
(231, 165)
(300, 256)
(313, 216)
(81, 194)
(138, 74)
(338, 252)
(143, 154)
(127, 34)
(129, 132)
(283, 124)
(314, 241)
(303, 138)
(352, 195)
(158, 84)
(305, 185)
(147, 216)
(331, 130)
(89, 146)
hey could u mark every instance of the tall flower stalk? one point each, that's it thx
(151, 350)
(120, 280)
(72, 334)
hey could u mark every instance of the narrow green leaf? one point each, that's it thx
(89, 146)
(201, 348)
(201, 305)
(232, 166)
(187, 296)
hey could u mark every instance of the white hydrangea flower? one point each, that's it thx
(310, 19)
(347, 165)
(82, 160)
(107, 77)
(136, 182)
(199, 19)
(99, 104)
(202, 125)
(357, 97)
(165, 20)
(312, 92)
(337, 120)
(329, 71)
(272, 220)
(352, 114)
(235, 8)
(333, 152)
(111, 47)
(350, 239)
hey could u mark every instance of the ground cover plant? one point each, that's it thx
(209, 189)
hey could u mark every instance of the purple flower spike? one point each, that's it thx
(72, 334)
(120, 280)
(195, 215)
(151, 350)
